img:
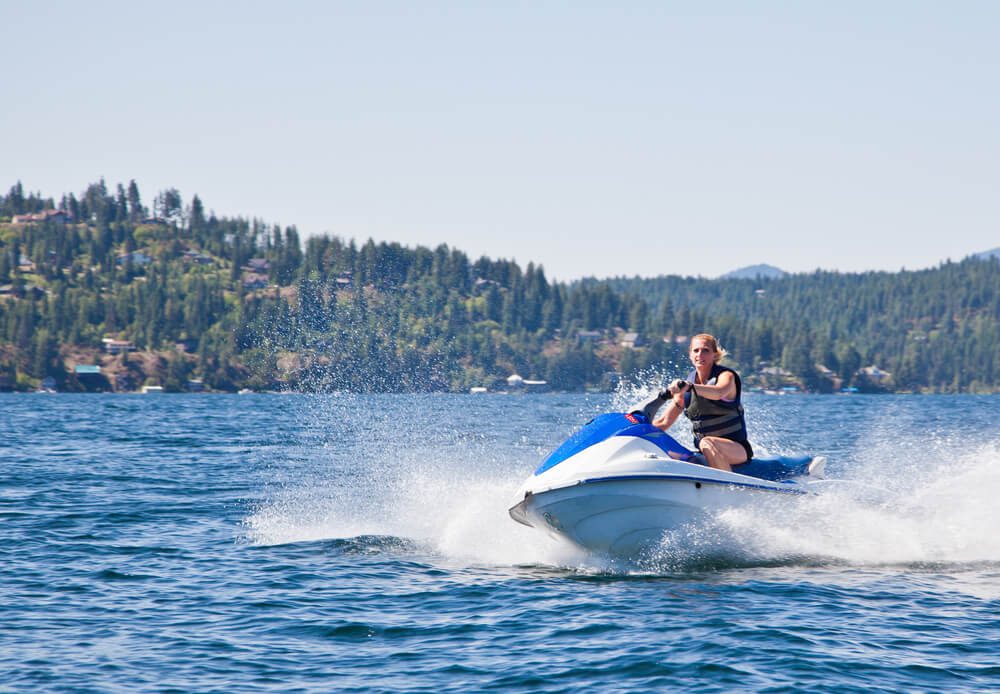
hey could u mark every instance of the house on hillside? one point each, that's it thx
(584, 336)
(197, 258)
(58, 216)
(875, 375)
(90, 377)
(135, 257)
(835, 381)
(253, 280)
(114, 346)
(631, 340)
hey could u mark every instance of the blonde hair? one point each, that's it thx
(720, 352)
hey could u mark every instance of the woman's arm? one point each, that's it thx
(724, 388)
(667, 419)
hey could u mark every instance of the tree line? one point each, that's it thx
(236, 302)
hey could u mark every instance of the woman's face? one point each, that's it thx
(702, 353)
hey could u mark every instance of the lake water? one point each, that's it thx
(362, 543)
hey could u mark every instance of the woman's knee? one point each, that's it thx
(724, 449)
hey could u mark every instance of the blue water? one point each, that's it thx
(362, 543)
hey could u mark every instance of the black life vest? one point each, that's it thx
(716, 417)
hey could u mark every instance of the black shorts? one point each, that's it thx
(746, 447)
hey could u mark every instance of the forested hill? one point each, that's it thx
(931, 329)
(101, 291)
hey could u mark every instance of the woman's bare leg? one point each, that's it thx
(721, 453)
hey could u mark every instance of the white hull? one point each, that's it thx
(622, 516)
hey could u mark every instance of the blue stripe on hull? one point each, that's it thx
(685, 478)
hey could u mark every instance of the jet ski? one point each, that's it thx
(619, 484)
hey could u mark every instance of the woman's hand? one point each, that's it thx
(677, 386)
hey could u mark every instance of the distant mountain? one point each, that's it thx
(986, 255)
(753, 272)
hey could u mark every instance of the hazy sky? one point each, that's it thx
(593, 138)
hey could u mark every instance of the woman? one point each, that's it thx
(710, 398)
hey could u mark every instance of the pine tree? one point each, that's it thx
(135, 209)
